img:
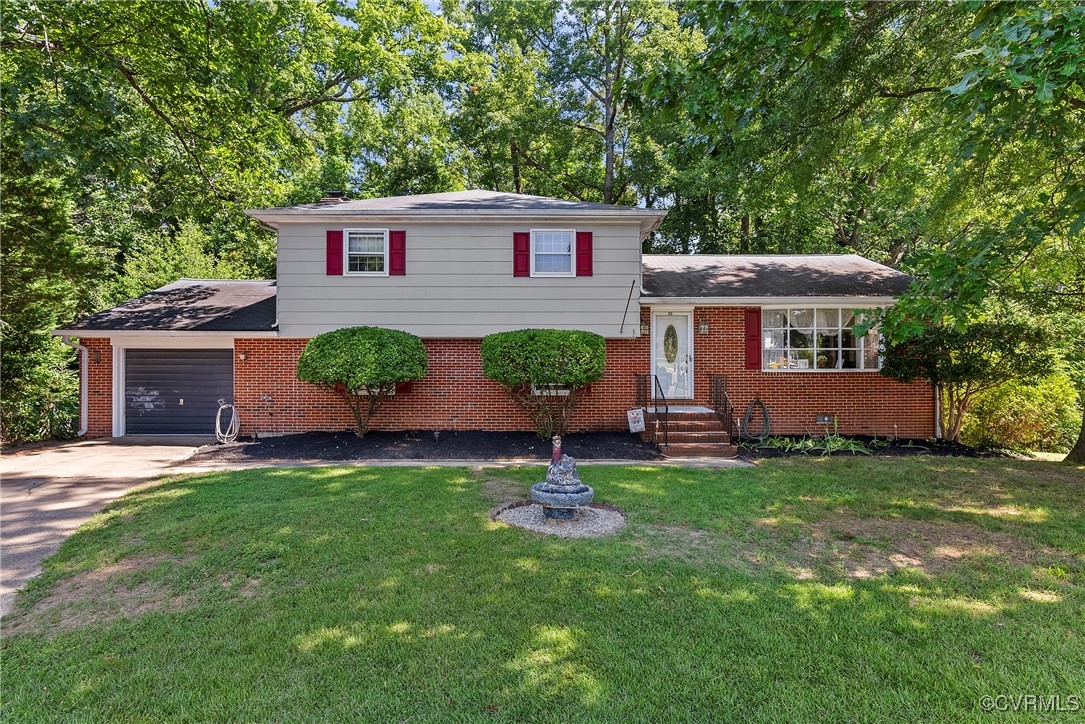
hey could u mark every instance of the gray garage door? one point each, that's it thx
(175, 391)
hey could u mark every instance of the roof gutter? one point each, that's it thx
(82, 383)
(164, 333)
(856, 302)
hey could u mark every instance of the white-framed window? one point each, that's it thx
(553, 253)
(810, 339)
(551, 390)
(365, 252)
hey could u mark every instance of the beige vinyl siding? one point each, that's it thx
(459, 283)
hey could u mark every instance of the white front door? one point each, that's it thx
(672, 357)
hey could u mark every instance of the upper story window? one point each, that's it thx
(816, 338)
(552, 252)
(366, 252)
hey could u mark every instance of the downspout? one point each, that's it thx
(82, 383)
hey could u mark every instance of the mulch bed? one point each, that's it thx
(430, 445)
(895, 448)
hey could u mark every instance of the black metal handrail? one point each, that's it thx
(721, 403)
(666, 412)
(648, 400)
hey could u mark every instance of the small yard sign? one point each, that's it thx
(636, 420)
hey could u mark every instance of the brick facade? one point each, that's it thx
(99, 387)
(864, 403)
(455, 395)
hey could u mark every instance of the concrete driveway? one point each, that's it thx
(46, 493)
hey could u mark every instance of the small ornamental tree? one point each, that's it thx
(544, 370)
(964, 362)
(362, 365)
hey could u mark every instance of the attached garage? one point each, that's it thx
(175, 391)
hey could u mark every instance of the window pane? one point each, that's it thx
(802, 360)
(802, 317)
(871, 359)
(802, 338)
(847, 338)
(553, 263)
(365, 243)
(774, 359)
(774, 339)
(828, 318)
(849, 359)
(774, 318)
(549, 242)
(826, 359)
(827, 340)
(848, 318)
(366, 263)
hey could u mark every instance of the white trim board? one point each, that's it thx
(155, 334)
(849, 302)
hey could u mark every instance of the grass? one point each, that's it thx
(353, 593)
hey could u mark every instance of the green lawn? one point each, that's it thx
(858, 589)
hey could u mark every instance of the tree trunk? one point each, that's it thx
(517, 182)
(1077, 453)
(744, 245)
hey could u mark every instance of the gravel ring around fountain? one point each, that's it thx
(594, 521)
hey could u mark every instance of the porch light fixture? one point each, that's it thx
(243, 356)
(645, 329)
(702, 326)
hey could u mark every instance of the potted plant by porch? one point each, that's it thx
(363, 365)
(545, 370)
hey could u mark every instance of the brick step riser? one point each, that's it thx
(694, 426)
(682, 416)
(698, 437)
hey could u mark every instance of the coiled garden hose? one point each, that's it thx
(232, 428)
(766, 425)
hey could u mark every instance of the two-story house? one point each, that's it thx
(454, 267)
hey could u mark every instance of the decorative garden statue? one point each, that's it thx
(562, 492)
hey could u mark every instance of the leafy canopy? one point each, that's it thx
(362, 358)
(538, 357)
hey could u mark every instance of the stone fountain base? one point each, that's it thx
(561, 501)
(562, 493)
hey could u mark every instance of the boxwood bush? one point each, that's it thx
(544, 370)
(363, 365)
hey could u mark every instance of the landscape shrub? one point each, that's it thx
(1041, 416)
(544, 370)
(363, 365)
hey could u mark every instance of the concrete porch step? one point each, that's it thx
(699, 450)
(684, 415)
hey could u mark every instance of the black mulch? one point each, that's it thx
(878, 446)
(430, 445)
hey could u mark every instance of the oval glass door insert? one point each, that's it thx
(670, 343)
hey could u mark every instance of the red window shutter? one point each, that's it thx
(397, 253)
(753, 338)
(335, 252)
(583, 253)
(521, 254)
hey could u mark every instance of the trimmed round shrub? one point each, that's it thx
(543, 370)
(363, 365)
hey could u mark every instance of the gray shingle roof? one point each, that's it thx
(792, 275)
(191, 305)
(456, 201)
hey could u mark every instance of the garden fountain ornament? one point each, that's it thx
(562, 492)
